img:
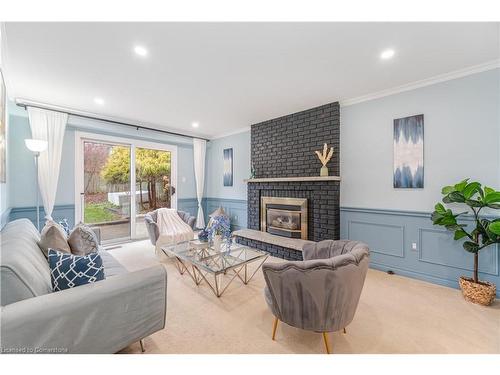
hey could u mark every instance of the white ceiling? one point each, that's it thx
(228, 76)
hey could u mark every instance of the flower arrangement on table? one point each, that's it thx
(219, 229)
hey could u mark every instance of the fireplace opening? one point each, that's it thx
(285, 217)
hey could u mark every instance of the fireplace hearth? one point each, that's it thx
(284, 216)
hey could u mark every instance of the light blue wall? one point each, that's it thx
(214, 188)
(4, 186)
(22, 169)
(461, 139)
(232, 198)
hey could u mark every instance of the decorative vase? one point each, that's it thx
(482, 293)
(217, 242)
(324, 171)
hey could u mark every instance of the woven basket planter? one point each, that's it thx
(482, 293)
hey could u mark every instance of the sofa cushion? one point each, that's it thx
(53, 236)
(111, 266)
(69, 270)
(24, 271)
(83, 240)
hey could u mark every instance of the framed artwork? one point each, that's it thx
(228, 167)
(3, 125)
(409, 152)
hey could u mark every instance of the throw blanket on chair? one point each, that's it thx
(171, 227)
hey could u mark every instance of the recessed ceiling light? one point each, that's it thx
(141, 51)
(387, 54)
(99, 101)
(195, 124)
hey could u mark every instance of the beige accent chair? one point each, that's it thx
(320, 293)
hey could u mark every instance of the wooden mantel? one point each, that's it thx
(297, 179)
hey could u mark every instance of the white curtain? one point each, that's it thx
(199, 149)
(49, 126)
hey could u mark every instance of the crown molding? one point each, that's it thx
(425, 82)
(234, 132)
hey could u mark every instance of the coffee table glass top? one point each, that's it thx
(213, 261)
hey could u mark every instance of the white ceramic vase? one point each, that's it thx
(217, 242)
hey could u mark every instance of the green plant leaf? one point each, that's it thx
(471, 189)
(454, 227)
(459, 234)
(493, 197)
(488, 190)
(456, 197)
(474, 203)
(448, 220)
(494, 205)
(471, 247)
(481, 193)
(447, 190)
(461, 185)
(440, 208)
(495, 227)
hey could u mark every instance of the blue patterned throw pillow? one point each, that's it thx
(68, 270)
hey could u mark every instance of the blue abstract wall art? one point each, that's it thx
(409, 152)
(228, 167)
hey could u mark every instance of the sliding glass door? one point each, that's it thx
(119, 180)
(106, 193)
(153, 181)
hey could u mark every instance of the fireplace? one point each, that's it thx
(285, 217)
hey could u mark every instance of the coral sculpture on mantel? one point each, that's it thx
(324, 158)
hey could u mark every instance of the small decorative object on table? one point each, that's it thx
(219, 230)
(324, 158)
(203, 235)
(485, 232)
(198, 245)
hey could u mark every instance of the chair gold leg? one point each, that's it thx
(142, 346)
(327, 345)
(345, 330)
(275, 326)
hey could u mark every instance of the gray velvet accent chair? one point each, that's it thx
(151, 219)
(320, 293)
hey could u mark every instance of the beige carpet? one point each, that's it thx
(395, 315)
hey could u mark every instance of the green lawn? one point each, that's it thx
(97, 213)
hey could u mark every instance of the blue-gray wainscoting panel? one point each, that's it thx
(235, 208)
(189, 205)
(65, 211)
(389, 233)
(384, 238)
(437, 257)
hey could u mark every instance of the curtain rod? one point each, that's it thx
(91, 116)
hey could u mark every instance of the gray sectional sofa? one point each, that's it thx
(103, 317)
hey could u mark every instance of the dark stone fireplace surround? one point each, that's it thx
(284, 147)
(322, 204)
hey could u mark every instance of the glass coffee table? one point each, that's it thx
(217, 269)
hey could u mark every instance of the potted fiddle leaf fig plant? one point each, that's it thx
(483, 233)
